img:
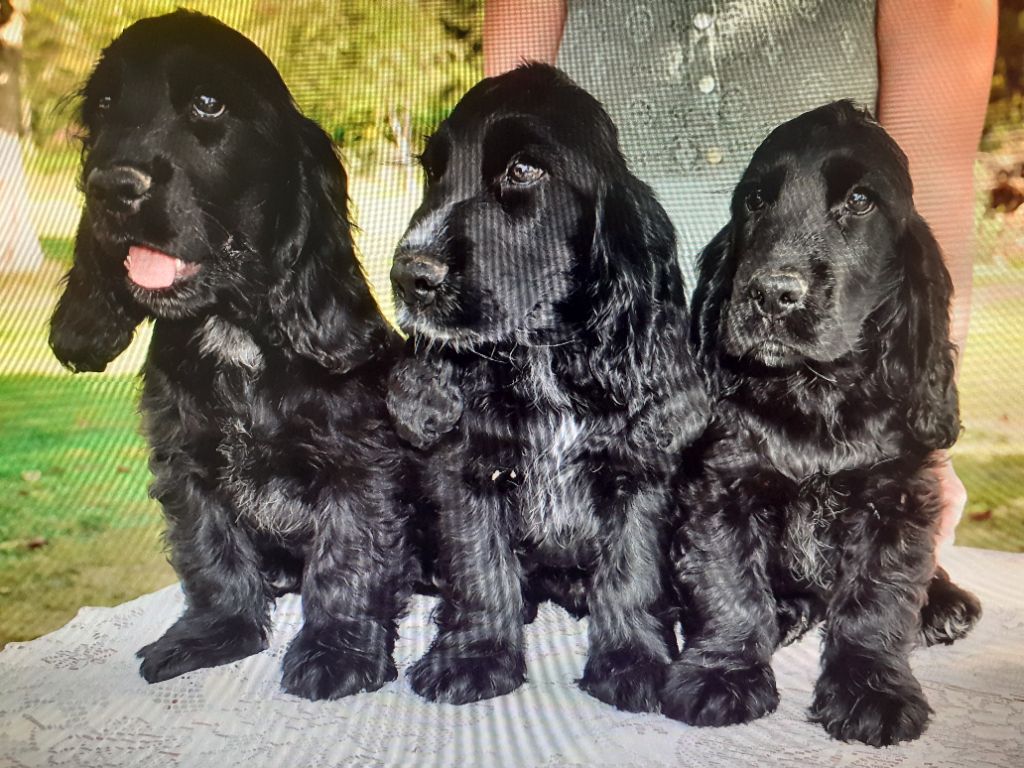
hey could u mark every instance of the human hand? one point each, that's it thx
(953, 499)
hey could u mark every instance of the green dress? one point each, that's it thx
(695, 85)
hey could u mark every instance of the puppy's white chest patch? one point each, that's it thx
(229, 344)
(810, 554)
(556, 500)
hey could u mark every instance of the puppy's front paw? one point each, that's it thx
(316, 668)
(878, 708)
(480, 671)
(626, 679)
(708, 695)
(949, 615)
(195, 642)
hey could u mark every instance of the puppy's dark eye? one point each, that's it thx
(523, 172)
(858, 202)
(207, 107)
(429, 169)
(103, 103)
(754, 201)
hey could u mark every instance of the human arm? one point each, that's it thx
(935, 70)
(518, 30)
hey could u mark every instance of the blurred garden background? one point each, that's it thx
(76, 525)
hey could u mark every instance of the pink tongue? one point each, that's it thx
(150, 269)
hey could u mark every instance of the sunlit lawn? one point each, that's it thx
(76, 525)
(77, 528)
(990, 455)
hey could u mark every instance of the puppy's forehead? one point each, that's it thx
(188, 46)
(835, 157)
(535, 97)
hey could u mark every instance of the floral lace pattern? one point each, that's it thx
(74, 698)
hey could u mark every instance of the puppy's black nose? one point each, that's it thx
(777, 295)
(417, 276)
(119, 187)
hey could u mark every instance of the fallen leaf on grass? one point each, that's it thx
(31, 475)
(121, 469)
(980, 517)
(36, 542)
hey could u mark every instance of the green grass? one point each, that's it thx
(994, 518)
(60, 249)
(71, 458)
(76, 524)
(989, 456)
(44, 589)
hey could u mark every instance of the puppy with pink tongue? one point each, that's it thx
(221, 217)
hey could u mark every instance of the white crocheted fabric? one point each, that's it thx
(74, 698)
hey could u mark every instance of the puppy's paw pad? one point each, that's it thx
(949, 616)
(315, 669)
(441, 675)
(877, 718)
(189, 645)
(628, 680)
(706, 695)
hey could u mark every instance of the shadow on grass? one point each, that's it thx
(994, 518)
(44, 588)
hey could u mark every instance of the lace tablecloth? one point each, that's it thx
(74, 698)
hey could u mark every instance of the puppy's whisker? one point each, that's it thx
(819, 374)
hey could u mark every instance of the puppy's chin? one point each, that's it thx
(457, 339)
(774, 354)
(530, 331)
(771, 347)
(190, 298)
(770, 355)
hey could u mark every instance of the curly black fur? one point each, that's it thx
(822, 310)
(263, 402)
(552, 375)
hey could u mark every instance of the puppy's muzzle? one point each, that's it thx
(777, 294)
(417, 277)
(119, 188)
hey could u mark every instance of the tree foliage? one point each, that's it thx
(354, 66)
(1006, 103)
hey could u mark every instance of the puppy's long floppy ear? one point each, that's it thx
(918, 359)
(714, 281)
(319, 299)
(424, 399)
(638, 351)
(95, 318)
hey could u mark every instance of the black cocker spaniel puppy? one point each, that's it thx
(216, 208)
(822, 312)
(552, 377)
